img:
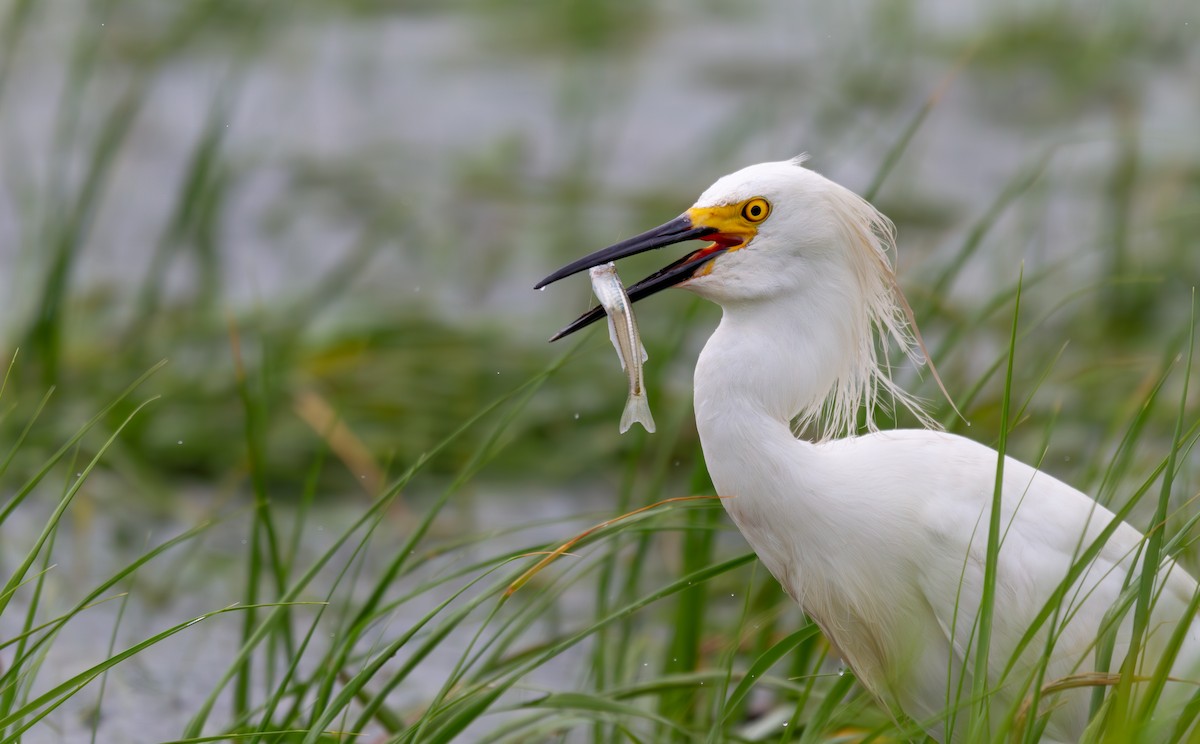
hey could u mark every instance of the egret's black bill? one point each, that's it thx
(668, 276)
(675, 231)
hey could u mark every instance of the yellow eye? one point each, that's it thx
(756, 210)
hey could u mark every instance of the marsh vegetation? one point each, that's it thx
(279, 428)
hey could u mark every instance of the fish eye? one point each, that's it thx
(756, 210)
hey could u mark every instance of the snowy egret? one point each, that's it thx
(881, 538)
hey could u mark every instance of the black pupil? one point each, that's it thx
(755, 210)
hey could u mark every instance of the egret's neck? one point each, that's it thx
(762, 366)
(768, 360)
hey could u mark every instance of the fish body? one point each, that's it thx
(623, 331)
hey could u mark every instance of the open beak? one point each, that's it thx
(676, 231)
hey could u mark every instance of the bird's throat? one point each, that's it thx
(764, 363)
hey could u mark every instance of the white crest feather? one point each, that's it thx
(870, 237)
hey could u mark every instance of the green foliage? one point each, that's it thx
(402, 411)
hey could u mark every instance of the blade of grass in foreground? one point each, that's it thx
(12, 362)
(717, 709)
(61, 452)
(519, 624)
(1123, 718)
(760, 667)
(605, 708)
(52, 524)
(263, 545)
(1151, 564)
(814, 728)
(368, 521)
(544, 603)
(24, 668)
(93, 597)
(366, 614)
(43, 545)
(1081, 563)
(1083, 559)
(474, 701)
(562, 549)
(283, 687)
(979, 725)
(12, 452)
(683, 653)
(45, 703)
(352, 686)
(112, 645)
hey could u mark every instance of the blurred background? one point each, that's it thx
(328, 216)
(369, 190)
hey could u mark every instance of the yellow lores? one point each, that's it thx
(733, 225)
(623, 330)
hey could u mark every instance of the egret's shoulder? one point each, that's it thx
(909, 442)
(951, 479)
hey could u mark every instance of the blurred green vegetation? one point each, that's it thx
(401, 372)
(168, 159)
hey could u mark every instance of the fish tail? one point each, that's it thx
(637, 408)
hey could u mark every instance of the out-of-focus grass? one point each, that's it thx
(660, 627)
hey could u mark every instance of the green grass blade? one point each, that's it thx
(1150, 565)
(764, 663)
(52, 524)
(980, 722)
(45, 703)
(473, 701)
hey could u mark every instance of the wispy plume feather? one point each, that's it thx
(870, 238)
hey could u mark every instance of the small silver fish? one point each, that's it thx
(623, 331)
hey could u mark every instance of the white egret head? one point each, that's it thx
(785, 237)
(787, 229)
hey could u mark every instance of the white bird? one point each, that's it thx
(882, 538)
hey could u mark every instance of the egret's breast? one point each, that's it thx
(842, 588)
